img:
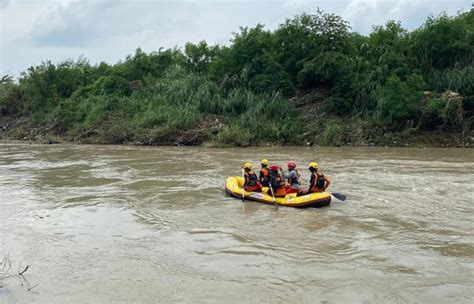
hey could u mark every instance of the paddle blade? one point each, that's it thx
(339, 196)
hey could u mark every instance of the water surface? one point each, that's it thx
(131, 224)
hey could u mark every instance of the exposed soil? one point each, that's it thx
(22, 129)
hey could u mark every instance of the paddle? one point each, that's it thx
(339, 196)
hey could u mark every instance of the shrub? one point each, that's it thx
(234, 135)
(333, 132)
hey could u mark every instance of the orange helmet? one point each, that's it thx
(291, 164)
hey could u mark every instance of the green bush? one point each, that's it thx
(333, 132)
(234, 135)
(10, 99)
(265, 86)
(400, 101)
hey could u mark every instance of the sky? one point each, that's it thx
(32, 31)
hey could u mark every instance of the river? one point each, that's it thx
(121, 224)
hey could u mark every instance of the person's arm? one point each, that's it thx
(328, 182)
(293, 175)
(311, 182)
(285, 175)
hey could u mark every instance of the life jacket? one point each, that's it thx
(280, 181)
(320, 182)
(251, 182)
(264, 176)
(251, 178)
(294, 180)
(281, 192)
(281, 189)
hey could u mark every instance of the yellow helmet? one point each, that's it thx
(313, 165)
(247, 166)
(264, 162)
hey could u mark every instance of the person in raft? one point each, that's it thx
(264, 177)
(318, 182)
(251, 180)
(293, 178)
(277, 183)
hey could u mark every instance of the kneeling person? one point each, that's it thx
(318, 182)
(293, 178)
(250, 179)
(264, 177)
(277, 183)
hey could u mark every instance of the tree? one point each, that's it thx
(199, 56)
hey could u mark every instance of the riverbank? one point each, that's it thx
(262, 89)
(22, 129)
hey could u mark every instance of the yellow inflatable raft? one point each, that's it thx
(233, 186)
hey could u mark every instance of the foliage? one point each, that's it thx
(399, 101)
(333, 132)
(255, 90)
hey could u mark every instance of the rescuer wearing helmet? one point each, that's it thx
(293, 178)
(251, 180)
(318, 182)
(264, 173)
(277, 183)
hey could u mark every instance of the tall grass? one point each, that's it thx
(177, 104)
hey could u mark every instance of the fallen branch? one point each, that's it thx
(22, 272)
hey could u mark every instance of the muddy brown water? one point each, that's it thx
(118, 224)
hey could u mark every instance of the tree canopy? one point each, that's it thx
(296, 84)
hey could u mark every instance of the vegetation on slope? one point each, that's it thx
(310, 81)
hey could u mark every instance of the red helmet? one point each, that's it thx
(291, 164)
(274, 168)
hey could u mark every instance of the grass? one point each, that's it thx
(176, 106)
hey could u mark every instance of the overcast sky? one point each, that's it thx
(104, 30)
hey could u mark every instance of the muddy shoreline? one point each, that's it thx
(23, 130)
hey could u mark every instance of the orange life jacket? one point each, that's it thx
(321, 182)
(280, 192)
(281, 189)
(264, 174)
